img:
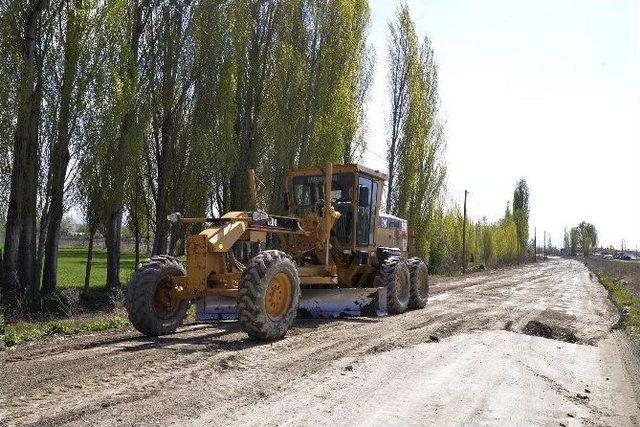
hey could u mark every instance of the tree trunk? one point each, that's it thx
(87, 271)
(11, 288)
(391, 174)
(137, 237)
(27, 263)
(60, 157)
(42, 236)
(165, 156)
(249, 95)
(136, 222)
(20, 240)
(147, 237)
(50, 269)
(128, 124)
(162, 225)
(112, 241)
(1, 276)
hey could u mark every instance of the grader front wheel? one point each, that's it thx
(268, 295)
(152, 307)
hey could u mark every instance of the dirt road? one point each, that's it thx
(471, 357)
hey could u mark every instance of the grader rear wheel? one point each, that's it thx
(152, 307)
(419, 283)
(394, 275)
(268, 295)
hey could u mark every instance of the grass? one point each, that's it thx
(71, 270)
(622, 261)
(22, 332)
(72, 263)
(624, 299)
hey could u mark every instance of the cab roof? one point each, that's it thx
(344, 168)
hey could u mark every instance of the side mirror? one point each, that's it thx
(285, 199)
(363, 197)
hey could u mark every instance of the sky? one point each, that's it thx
(545, 90)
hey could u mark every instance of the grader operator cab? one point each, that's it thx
(333, 255)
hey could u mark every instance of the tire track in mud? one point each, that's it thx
(125, 378)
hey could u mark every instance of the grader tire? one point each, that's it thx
(150, 308)
(419, 275)
(394, 275)
(268, 295)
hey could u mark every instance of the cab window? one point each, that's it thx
(308, 197)
(367, 203)
(307, 193)
(342, 201)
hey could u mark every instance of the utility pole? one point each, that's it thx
(535, 245)
(464, 235)
(544, 245)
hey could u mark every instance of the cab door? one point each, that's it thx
(367, 210)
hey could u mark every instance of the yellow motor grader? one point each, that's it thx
(333, 255)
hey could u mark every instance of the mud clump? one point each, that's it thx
(386, 346)
(539, 329)
(508, 325)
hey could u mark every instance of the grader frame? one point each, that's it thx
(210, 261)
(338, 270)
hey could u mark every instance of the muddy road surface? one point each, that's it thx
(534, 345)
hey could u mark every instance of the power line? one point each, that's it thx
(375, 154)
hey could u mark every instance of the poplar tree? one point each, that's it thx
(416, 140)
(521, 214)
(168, 72)
(587, 237)
(317, 91)
(70, 75)
(25, 26)
(110, 157)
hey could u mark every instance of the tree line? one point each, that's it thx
(580, 239)
(488, 244)
(127, 110)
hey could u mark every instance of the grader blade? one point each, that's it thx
(342, 302)
(314, 304)
(216, 309)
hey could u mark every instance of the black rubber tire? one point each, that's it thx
(141, 292)
(393, 270)
(252, 311)
(419, 288)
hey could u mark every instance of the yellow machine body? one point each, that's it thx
(337, 241)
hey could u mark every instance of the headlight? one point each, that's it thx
(174, 218)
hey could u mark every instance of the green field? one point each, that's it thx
(72, 263)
